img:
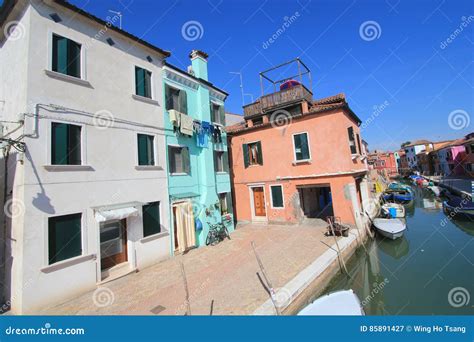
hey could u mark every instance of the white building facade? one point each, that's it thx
(87, 200)
(413, 149)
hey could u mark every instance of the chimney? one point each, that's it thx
(199, 63)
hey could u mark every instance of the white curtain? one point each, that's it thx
(186, 234)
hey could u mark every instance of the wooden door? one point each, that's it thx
(113, 243)
(259, 201)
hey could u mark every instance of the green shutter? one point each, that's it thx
(59, 144)
(147, 83)
(304, 146)
(73, 58)
(259, 153)
(277, 196)
(168, 97)
(139, 81)
(211, 112)
(150, 150)
(226, 162)
(60, 54)
(221, 115)
(183, 102)
(64, 237)
(151, 219)
(142, 149)
(245, 150)
(186, 160)
(74, 145)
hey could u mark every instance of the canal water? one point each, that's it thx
(428, 271)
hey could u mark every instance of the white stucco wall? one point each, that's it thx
(110, 153)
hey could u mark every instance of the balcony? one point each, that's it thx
(278, 99)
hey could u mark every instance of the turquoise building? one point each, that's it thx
(197, 157)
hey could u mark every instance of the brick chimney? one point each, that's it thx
(199, 63)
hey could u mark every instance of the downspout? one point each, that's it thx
(6, 153)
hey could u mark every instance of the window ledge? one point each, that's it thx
(59, 168)
(222, 172)
(305, 161)
(355, 156)
(145, 99)
(66, 263)
(67, 78)
(179, 174)
(148, 168)
(154, 237)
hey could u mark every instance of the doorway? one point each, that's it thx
(113, 243)
(183, 226)
(316, 201)
(258, 200)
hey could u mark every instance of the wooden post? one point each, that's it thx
(338, 249)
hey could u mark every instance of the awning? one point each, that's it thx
(115, 214)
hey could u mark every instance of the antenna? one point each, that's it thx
(241, 87)
(120, 17)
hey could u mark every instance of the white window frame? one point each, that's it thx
(50, 138)
(152, 84)
(49, 54)
(294, 147)
(282, 196)
(155, 149)
(222, 161)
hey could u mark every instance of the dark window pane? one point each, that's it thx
(301, 146)
(65, 144)
(74, 145)
(151, 219)
(142, 82)
(145, 150)
(74, 59)
(64, 237)
(277, 196)
(66, 56)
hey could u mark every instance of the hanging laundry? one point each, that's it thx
(197, 126)
(202, 139)
(174, 117)
(186, 124)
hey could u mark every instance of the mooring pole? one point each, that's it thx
(268, 284)
(338, 249)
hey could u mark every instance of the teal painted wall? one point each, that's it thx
(202, 179)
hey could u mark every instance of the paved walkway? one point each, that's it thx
(225, 274)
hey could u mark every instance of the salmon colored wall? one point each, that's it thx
(330, 153)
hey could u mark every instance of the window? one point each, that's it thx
(358, 143)
(151, 219)
(257, 121)
(221, 161)
(301, 146)
(277, 196)
(471, 148)
(65, 144)
(142, 82)
(179, 159)
(64, 237)
(146, 151)
(352, 144)
(217, 114)
(225, 202)
(66, 56)
(176, 99)
(252, 154)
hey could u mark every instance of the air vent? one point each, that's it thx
(149, 59)
(110, 41)
(55, 17)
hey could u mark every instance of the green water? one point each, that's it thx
(415, 274)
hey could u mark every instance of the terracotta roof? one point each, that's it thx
(418, 142)
(442, 145)
(9, 5)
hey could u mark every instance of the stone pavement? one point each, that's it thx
(225, 274)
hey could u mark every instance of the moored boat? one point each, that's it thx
(393, 210)
(435, 189)
(340, 303)
(457, 206)
(399, 195)
(390, 228)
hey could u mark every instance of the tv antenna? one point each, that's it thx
(119, 14)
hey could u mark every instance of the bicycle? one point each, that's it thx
(217, 233)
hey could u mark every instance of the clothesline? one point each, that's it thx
(186, 125)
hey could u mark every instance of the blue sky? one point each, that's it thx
(402, 73)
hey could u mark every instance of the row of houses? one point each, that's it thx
(115, 159)
(440, 158)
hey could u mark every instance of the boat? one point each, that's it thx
(399, 186)
(391, 228)
(399, 195)
(458, 206)
(435, 189)
(340, 303)
(393, 210)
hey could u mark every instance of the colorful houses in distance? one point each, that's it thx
(294, 158)
(386, 161)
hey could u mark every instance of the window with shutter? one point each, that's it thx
(253, 154)
(64, 237)
(277, 196)
(66, 56)
(179, 160)
(220, 160)
(65, 144)
(352, 143)
(142, 82)
(245, 152)
(301, 147)
(151, 219)
(183, 102)
(146, 151)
